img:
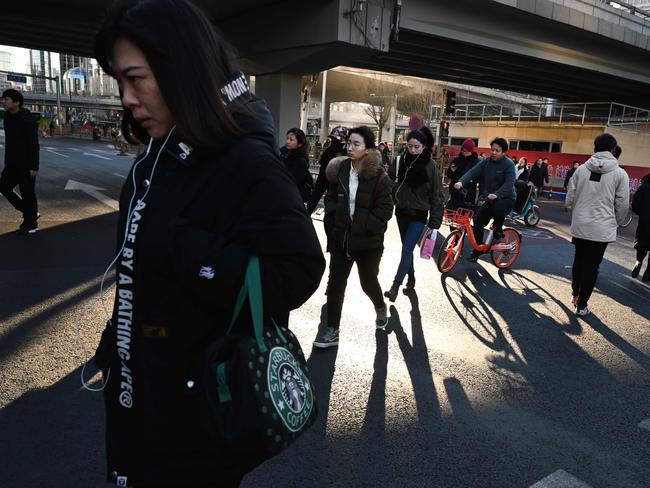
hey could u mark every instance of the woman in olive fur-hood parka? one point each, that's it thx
(364, 206)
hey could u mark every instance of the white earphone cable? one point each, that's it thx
(100, 296)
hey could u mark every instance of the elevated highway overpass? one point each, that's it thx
(571, 50)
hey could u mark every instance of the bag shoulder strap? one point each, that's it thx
(381, 178)
(252, 288)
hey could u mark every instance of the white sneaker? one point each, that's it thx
(581, 312)
(382, 318)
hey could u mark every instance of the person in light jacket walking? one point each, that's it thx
(598, 197)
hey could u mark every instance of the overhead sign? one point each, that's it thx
(17, 78)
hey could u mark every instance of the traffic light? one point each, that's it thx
(450, 102)
(444, 129)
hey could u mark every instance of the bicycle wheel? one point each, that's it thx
(450, 251)
(531, 219)
(504, 258)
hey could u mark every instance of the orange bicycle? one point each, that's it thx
(503, 255)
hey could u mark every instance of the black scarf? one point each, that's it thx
(412, 171)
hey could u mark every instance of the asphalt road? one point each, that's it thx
(484, 378)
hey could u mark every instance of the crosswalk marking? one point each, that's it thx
(117, 174)
(645, 424)
(58, 153)
(560, 479)
(96, 156)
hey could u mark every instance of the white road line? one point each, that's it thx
(560, 479)
(645, 424)
(117, 174)
(94, 192)
(64, 155)
(96, 156)
(73, 149)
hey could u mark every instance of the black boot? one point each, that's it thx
(392, 293)
(636, 269)
(410, 285)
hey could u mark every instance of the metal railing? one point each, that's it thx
(629, 8)
(597, 113)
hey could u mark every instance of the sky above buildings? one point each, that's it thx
(19, 58)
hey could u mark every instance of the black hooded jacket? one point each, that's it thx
(21, 141)
(194, 221)
(297, 162)
(463, 165)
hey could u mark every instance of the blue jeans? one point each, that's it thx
(410, 232)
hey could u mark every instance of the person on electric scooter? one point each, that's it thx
(497, 184)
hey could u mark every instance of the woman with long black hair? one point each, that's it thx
(208, 193)
(418, 201)
(295, 156)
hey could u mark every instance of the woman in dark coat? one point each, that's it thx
(641, 207)
(363, 208)
(208, 193)
(461, 164)
(295, 156)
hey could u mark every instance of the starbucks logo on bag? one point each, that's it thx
(290, 390)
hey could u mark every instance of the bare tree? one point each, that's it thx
(379, 111)
(419, 104)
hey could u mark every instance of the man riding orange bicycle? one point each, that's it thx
(496, 175)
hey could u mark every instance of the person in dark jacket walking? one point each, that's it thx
(21, 160)
(295, 156)
(569, 174)
(385, 155)
(497, 176)
(641, 207)
(363, 208)
(461, 164)
(418, 202)
(337, 147)
(539, 175)
(208, 193)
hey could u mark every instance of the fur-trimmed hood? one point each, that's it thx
(370, 166)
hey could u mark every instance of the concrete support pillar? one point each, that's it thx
(391, 123)
(304, 116)
(282, 95)
(325, 124)
(324, 111)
